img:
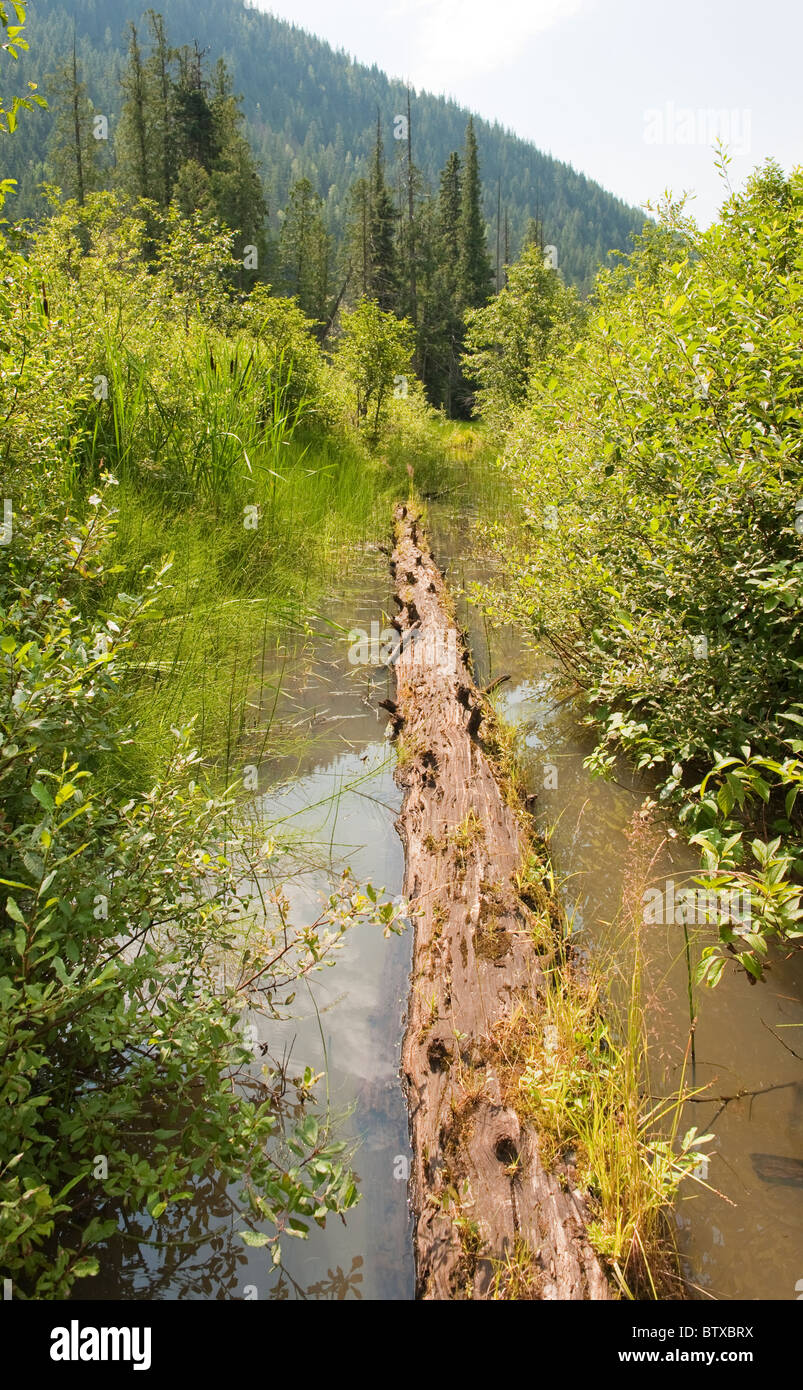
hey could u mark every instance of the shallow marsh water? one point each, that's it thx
(338, 793)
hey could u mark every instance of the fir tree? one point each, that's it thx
(359, 262)
(235, 181)
(195, 132)
(159, 74)
(133, 142)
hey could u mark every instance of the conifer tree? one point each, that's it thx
(412, 249)
(159, 74)
(304, 251)
(195, 132)
(443, 316)
(73, 148)
(134, 140)
(476, 273)
(358, 239)
(235, 182)
(449, 205)
(384, 277)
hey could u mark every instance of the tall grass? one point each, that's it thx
(199, 414)
(241, 582)
(231, 467)
(579, 1067)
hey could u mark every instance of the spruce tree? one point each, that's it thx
(159, 71)
(476, 273)
(384, 276)
(449, 205)
(359, 262)
(235, 182)
(195, 132)
(444, 302)
(304, 251)
(412, 250)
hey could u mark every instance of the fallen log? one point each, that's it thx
(482, 1198)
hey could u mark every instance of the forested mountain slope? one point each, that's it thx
(311, 112)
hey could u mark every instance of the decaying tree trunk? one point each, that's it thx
(490, 1219)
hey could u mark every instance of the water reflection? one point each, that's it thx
(336, 790)
(331, 795)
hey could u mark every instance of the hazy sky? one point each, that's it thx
(631, 92)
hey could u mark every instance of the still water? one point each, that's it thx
(337, 793)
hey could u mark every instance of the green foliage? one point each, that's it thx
(128, 899)
(15, 43)
(658, 469)
(374, 351)
(73, 150)
(311, 113)
(118, 1041)
(304, 251)
(474, 266)
(382, 220)
(533, 317)
(226, 430)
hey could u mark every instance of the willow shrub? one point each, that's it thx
(658, 469)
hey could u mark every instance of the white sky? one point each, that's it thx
(628, 91)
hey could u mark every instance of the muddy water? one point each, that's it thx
(338, 796)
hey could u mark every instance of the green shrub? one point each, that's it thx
(658, 468)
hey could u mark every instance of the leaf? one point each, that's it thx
(256, 1239)
(751, 965)
(43, 796)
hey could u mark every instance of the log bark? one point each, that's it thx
(483, 1201)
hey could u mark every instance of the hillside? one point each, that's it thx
(311, 112)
